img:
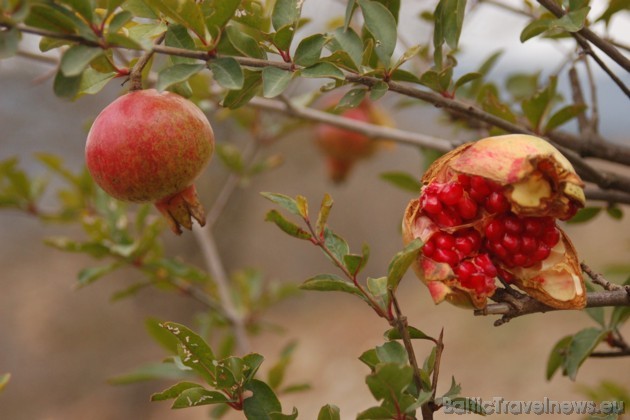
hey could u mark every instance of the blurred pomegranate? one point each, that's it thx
(148, 146)
(343, 148)
(488, 209)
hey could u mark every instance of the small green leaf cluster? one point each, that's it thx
(571, 351)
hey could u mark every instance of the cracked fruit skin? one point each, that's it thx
(488, 209)
(343, 148)
(148, 146)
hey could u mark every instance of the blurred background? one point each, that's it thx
(61, 344)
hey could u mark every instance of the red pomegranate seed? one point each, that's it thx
(464, 245)
(451, 193)
(541, 253)
(519, 260)
(464, 180)
(473, 236)
(551, 237)
(529, 244)
(446, 256)
(478, 282)
(467, 208)
(444, 240)
(480, 185)
(465, 270)
(513, 224)
(511, 242)
(477, 196)
(533, 226)
(429, 249)
(497, 203)
(495, 230)
(499, 250)
(448, 218)
(505, 275)
(483, 261)
(431, 204)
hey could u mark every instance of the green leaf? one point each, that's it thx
(378, 288)
(174, 391)
(454, 389)
(309, 50)
(330, 283)
(4, 380)
(93, 81)
(82, 7)
(283, 201)
(615, 212)
(581, 346)
(275, 81)
(177, 73)
(283, 38)
(321, 70)
(619, 316)
(350, 8)
(378, 90)
(177, 36)
(564, 115)
(286, 12)
(538, 106)
(195, 353)
(252, 362)
(286, 226)
(389, 380)
(237, 98)
(221, 13)
(392, 352)
(431, 79)
(572, 21)
(324, 212)
(335, 244)
(139, 9)
(370, 358)
(584, 215)
(194, 397)
(262, 402)
(348, 41)
(402, 180)
(329, 412)
(227, 72)
(353, 263)
(150, 372)
(376, 413)
(401, 263)
(9, 40)
(160, 335)
(400, 75)
(77, 58)
(382, 25)
(186, 13)
(414, 334)
(118, 21)
(536, 27)
(467, 78)
(351, 99)
(243, 43)
(302, 205)
(90, 275)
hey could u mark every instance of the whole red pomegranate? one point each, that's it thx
(488, 209)
(343, 148)
(148, 146)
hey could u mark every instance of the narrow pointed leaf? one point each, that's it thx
(286, 226)
(177, 73)
(324, 211)
(401, 262)
(309, 50)
(330, 283)
(77, 58)
(275, 81)
(174, 391)
(194, 397)
(382, 25)
(283, 201)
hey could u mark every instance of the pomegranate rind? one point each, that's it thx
(148, 145)
(557, 281)
(538, 181)
(439, 277)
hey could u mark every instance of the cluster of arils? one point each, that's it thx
(488, 209)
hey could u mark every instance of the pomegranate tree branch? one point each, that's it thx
(591, 36)
(135, 76)
(527, 305)
(572, 146)
(219, 275)
(599, 279)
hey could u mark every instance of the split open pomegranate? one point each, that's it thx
(488, 210)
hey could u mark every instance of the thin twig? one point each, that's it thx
(529, 305)
(135, 76)
(610, 354)
(600, 280)
(219, 275)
